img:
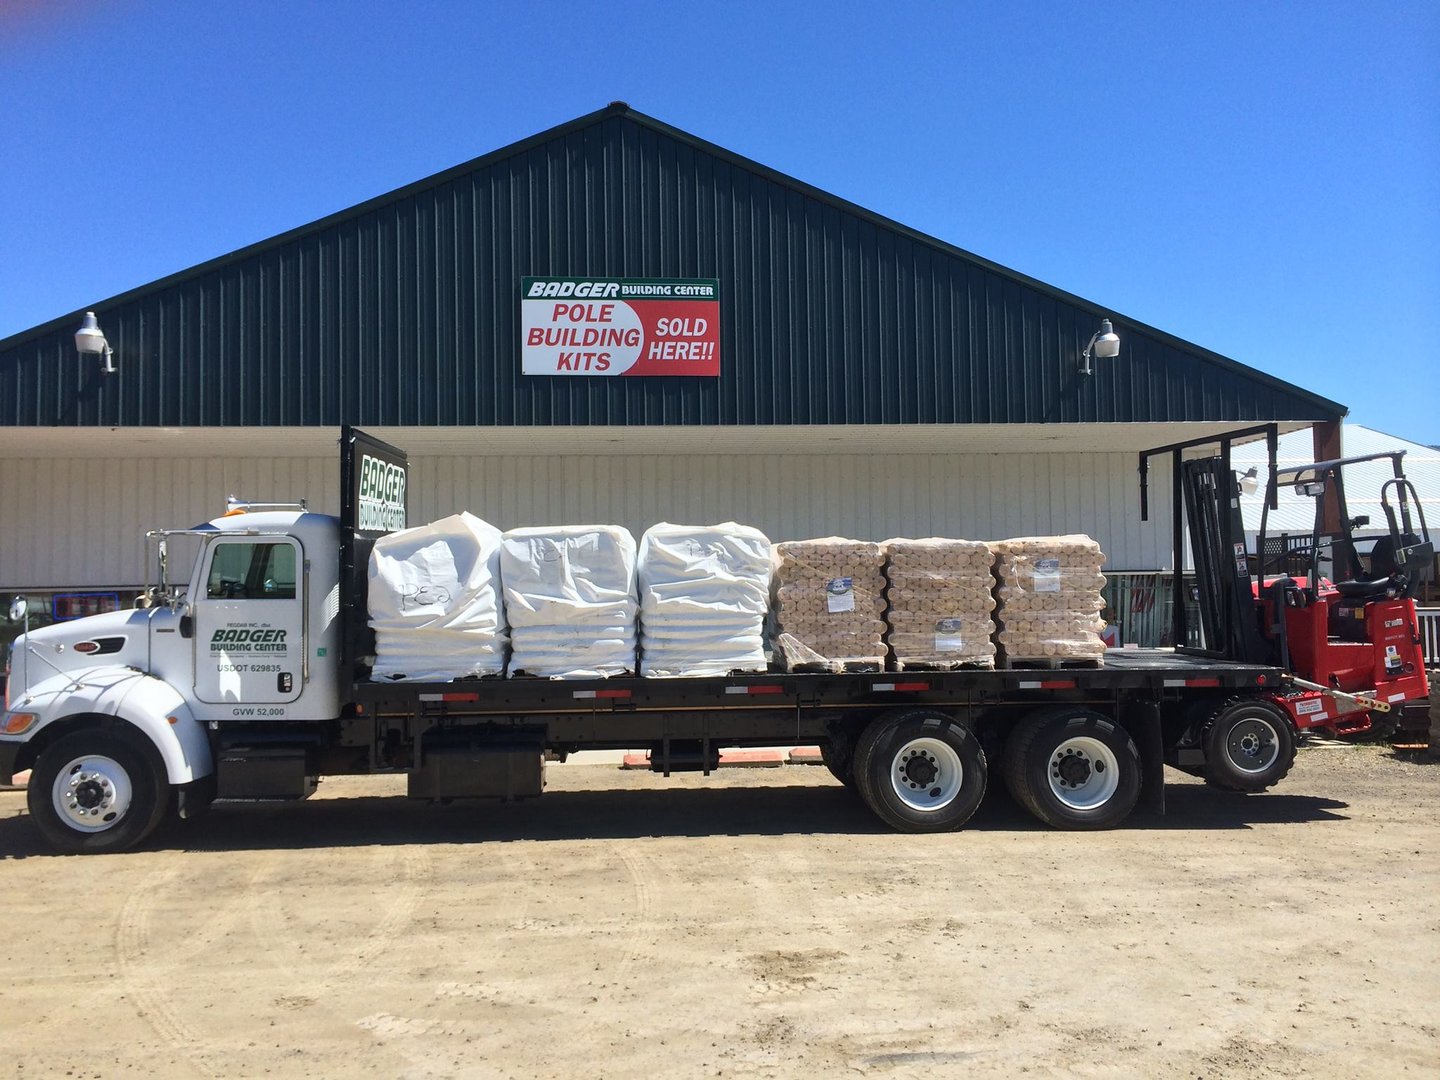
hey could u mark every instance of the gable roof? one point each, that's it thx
(1303, 404)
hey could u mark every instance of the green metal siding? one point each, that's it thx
(404, 311)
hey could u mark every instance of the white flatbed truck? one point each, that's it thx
(248, 680)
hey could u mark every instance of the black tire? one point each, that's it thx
(102, 764)
(1073, 769)
(838, 755)
(935, 761)
(1249, 745)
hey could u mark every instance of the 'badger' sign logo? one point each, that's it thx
(382, 495)
(233, 640)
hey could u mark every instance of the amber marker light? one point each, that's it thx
(17, 723)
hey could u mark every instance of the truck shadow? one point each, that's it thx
(620, 814)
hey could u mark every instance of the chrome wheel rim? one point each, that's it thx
(926, 774)
(92, 793)
(1083, 772)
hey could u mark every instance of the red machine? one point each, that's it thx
(1355, 639)
(1340, 622)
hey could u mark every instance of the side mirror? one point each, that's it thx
(19, 608)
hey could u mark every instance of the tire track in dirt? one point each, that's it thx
(269, 925)
(150, 977)
(642, 879)
(636, 928)
(150, 995)
(409, 874)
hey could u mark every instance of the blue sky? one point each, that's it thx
(1262, 179)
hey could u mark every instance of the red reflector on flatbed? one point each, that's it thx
(900, 687)
(449, 697)
(1047, 684)
(602, 693)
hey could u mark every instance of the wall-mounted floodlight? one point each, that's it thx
(1250, 481)
(90, 341)
(1104, 343)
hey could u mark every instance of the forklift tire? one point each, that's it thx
(1249, 746)
(838, 755)
(1073, 768)
(95, 791)
(920, 771)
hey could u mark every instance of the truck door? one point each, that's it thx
(250, 621)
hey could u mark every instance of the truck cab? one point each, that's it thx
(134, 701)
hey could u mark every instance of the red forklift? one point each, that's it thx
(1349, 621)
(1341, 623)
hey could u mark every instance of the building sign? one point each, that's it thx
(619, 326)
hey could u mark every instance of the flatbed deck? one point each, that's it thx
(772, 707)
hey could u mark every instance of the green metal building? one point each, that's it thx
(872, 381)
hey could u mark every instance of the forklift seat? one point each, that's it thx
(1378, 589)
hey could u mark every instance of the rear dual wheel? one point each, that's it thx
(1073, 769)
(920, 771)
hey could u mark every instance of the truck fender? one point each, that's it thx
(158, 711)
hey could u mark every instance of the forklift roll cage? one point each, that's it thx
(1206, 490)
(1404, 557)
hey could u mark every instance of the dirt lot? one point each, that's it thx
(755, 924)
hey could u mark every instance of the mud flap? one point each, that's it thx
(1142, 721)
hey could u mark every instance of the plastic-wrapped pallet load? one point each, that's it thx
(940, 596)
(1049, 599)
(434, 601)
(704, 594)
(829, 605)
(570, 600)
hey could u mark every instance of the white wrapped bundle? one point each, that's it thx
(1049, 598)
(434, 601)
(940, 599)
(570, 600)
(704, 593)
(828, 604)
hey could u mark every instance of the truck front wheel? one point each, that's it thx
(94, 791)
(920, 771)
(1073, 769)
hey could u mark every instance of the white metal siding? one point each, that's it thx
(80, 522)
(869, 497)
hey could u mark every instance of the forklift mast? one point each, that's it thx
(1228, 611)
(1206, 507)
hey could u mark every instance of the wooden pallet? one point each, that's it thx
(837, 667)
(945, 665)
(1049, 663)
(522, 674)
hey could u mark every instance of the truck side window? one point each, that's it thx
(254, 571)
